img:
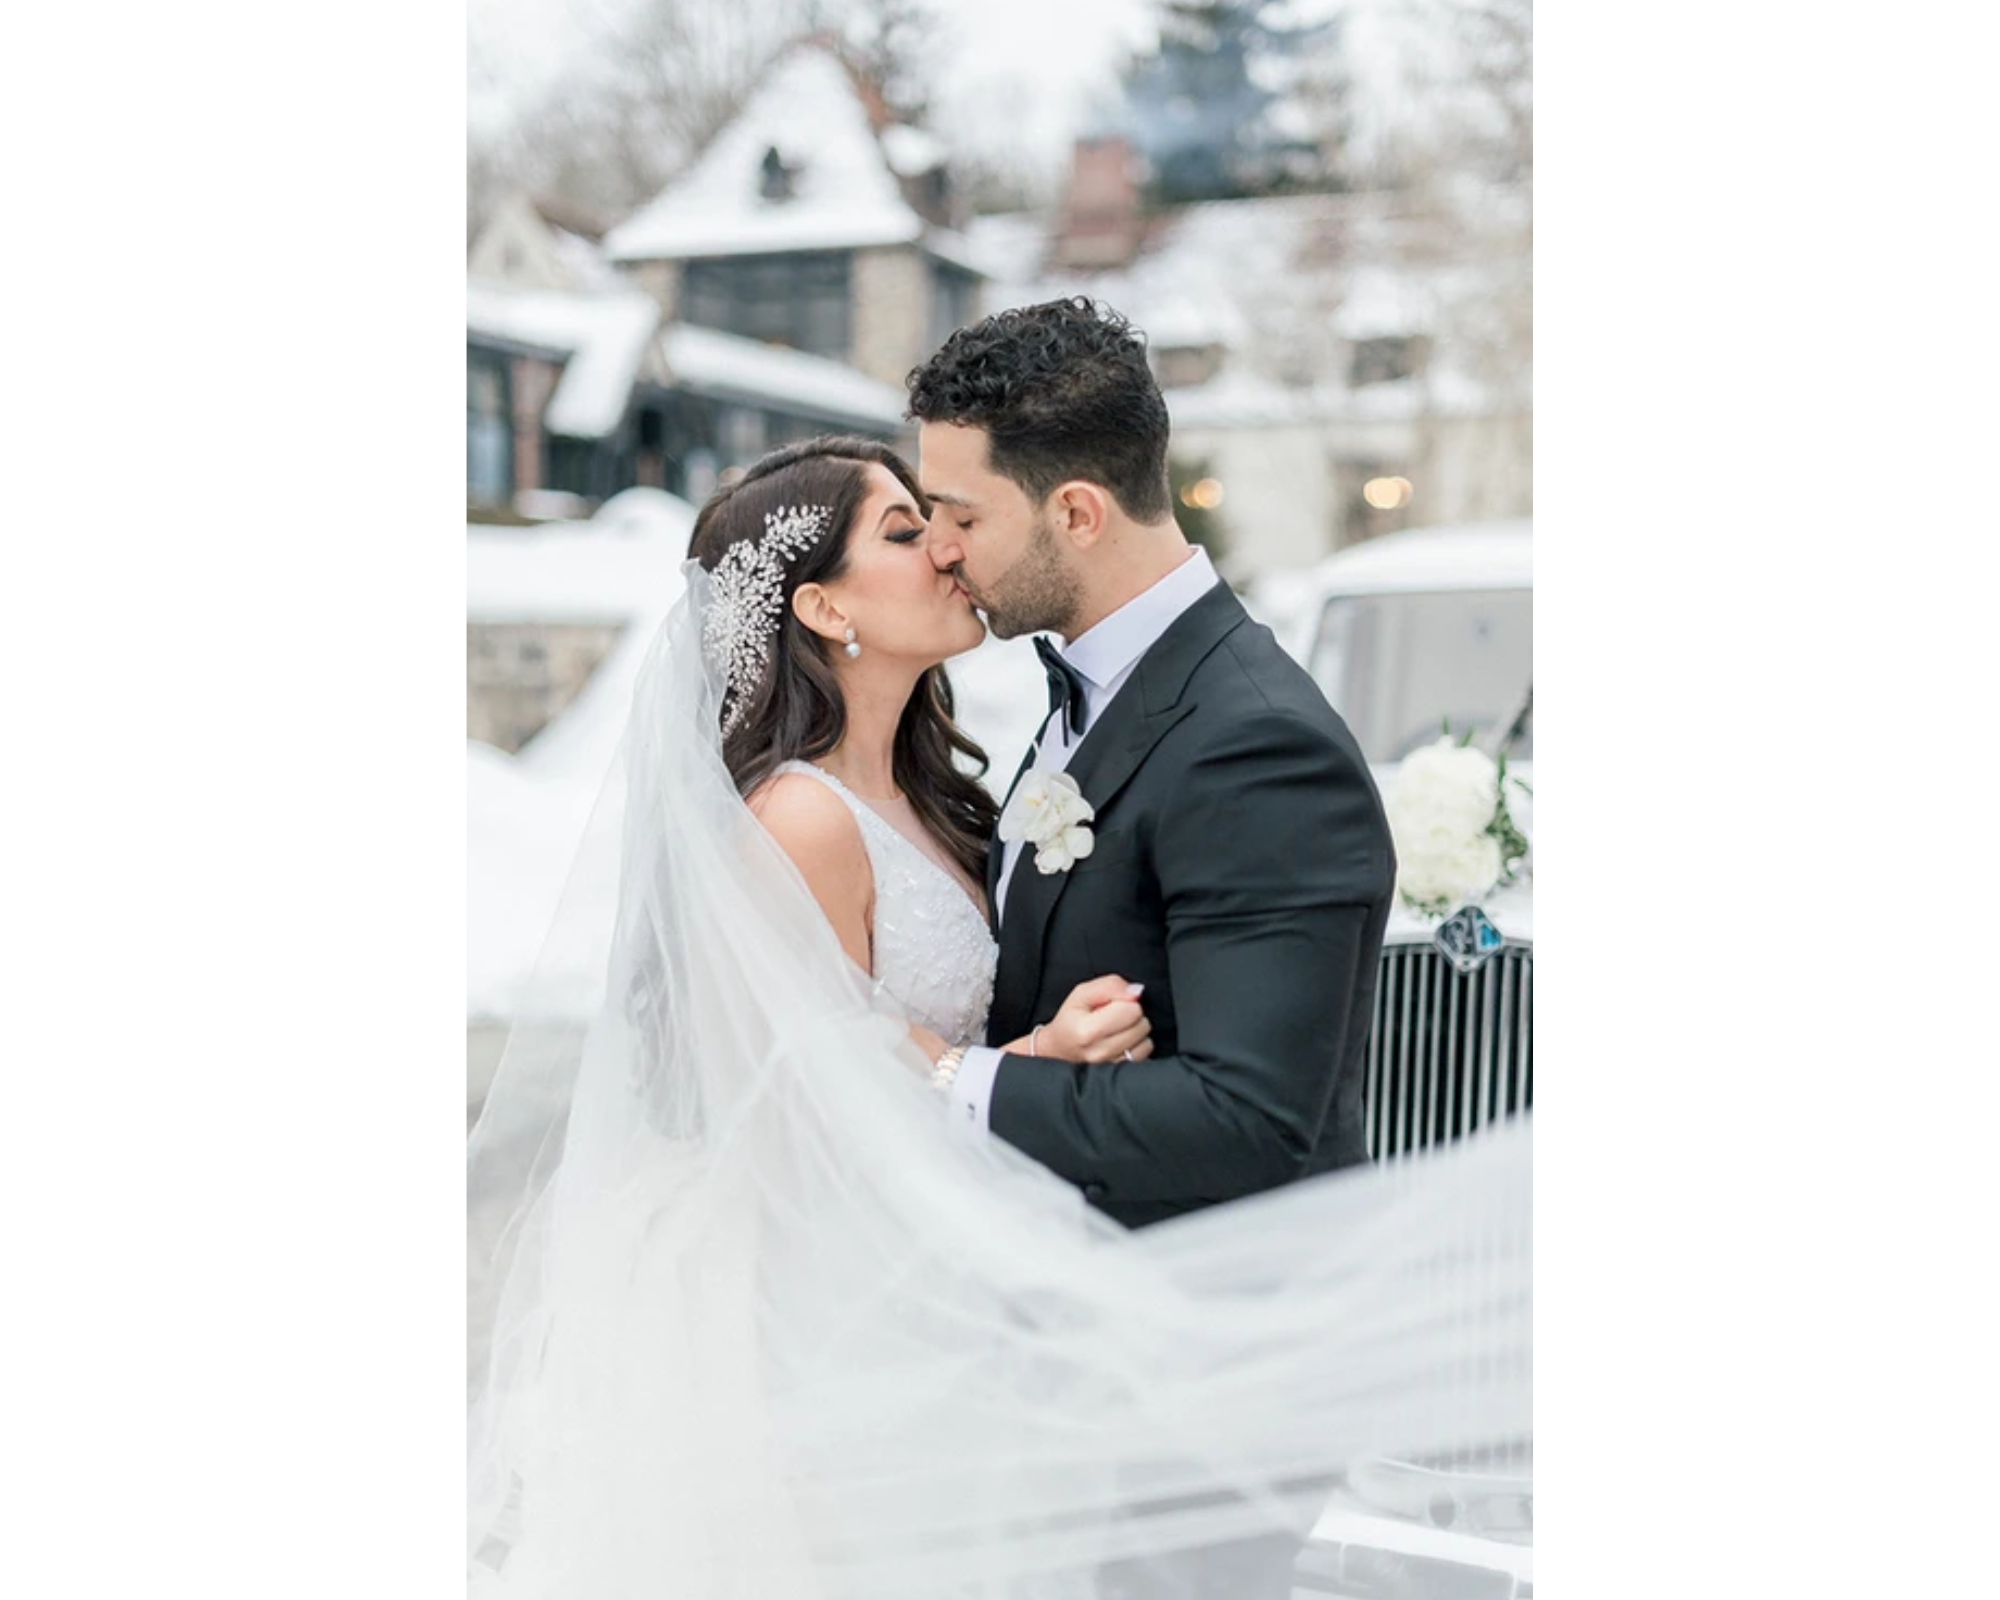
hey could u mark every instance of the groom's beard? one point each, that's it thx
(1037, 594)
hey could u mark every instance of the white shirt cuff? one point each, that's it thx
(971, 1094)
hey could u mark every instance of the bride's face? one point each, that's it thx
(900, 606)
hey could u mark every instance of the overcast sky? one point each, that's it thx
(1019, 79)
(1004, 86)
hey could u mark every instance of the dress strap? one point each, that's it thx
(863, 812)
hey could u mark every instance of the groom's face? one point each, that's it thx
(992, 538)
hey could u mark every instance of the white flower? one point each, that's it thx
(1445, 869)
(1049, 811)
(1441, 808)
(1448, 784)
(1065, 850)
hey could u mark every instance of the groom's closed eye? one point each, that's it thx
(959, 511)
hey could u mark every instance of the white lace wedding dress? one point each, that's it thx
(933, 953)
(754, 1320)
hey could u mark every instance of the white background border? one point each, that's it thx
(234, 848)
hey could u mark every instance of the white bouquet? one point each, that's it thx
(1455, 840)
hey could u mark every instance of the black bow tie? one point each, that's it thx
(1065, 686)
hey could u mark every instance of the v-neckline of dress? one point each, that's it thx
(915, 849)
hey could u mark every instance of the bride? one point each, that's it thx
(750, 1317)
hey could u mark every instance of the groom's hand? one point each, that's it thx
(1100, 1021)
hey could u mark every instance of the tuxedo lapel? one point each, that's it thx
(996, 851)
(1113, 750)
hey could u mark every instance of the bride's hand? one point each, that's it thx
(1100, 1021)
(928, 1042)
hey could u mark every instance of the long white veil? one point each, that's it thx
(750, 1319)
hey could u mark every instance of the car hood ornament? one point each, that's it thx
(1468, 939)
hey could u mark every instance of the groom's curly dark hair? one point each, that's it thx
(1063, 391)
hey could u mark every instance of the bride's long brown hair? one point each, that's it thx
(797, 712)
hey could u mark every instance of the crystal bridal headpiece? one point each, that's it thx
(747, 599)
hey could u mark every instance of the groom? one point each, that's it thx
(1241, 868)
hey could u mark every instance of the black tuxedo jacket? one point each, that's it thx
(1243, 873)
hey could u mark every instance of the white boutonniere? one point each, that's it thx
(1049, 811)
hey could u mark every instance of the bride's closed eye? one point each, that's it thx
(907, 536)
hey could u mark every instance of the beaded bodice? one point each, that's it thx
(933, 951)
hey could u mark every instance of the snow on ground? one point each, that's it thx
(521, 832)
(526, 813)
(624, 562)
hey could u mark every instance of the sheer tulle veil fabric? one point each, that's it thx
(748, 1318)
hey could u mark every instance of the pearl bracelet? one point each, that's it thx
(947, 1068)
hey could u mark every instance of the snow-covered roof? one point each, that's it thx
(1283, 286)
(1481, 555)
(844, 192)
(603, 335)
(584, 259)
(1201, 270)
(535, 242)
(1377, 301)
(711, 362)
(1240, 399)
(617, 566)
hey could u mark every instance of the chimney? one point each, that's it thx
(1099, 226)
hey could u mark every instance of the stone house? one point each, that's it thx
(781, 287)
(812, 221)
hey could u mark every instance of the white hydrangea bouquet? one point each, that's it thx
(1455, 838)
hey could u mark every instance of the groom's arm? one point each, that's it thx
(1274, 865)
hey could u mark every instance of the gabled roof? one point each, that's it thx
(844, 193)
(533, 242)
(1477, 555)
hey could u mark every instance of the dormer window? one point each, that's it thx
(776, 180)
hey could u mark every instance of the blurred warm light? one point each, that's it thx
(1204, 495)
(1387, 494)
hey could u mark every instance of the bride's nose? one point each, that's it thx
(942, 550)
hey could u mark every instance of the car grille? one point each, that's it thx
(1449, 1052)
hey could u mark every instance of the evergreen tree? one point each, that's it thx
(1209, 105)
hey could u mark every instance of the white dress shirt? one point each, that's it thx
(1104, 658)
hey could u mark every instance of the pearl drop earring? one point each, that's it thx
(853, 649)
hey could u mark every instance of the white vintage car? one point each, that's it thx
(1406, 634)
